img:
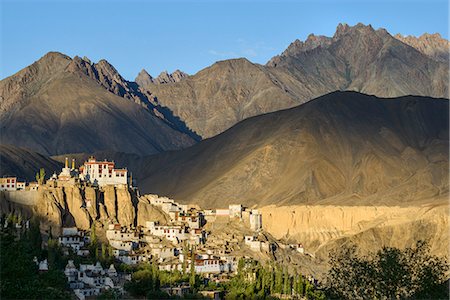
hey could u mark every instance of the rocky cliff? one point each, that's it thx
(66, 206)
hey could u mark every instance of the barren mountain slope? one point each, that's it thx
(356, 58)
(344, 147)
(53, 107)
(222, 95)
(24, 163)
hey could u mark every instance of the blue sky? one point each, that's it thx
(191, 35)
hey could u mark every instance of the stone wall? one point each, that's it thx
(21, 197)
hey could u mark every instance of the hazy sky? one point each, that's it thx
(190, 35)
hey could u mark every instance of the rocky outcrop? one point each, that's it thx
(76, 207)
(323, 228)
(81, 206)
(432, 45)
(126, 211)
(146, 212)
(144, 79)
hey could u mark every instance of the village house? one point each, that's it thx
(175, 234)
(75, 239)
(119, 233)
(11, 184)
(297, 247)
(179, 290)
(190, 219)
(252, 242)
(255, 220)
(235, 210)
(90, 280)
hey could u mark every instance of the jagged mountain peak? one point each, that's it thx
(431, 44)
(144, 79)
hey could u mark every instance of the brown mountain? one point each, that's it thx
(59, 105)
(25, 163)
(343, 148)
(357, 58)
(432, 45)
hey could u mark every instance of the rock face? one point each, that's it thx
(432, 45)
(145, 80)
(343, 148)
(357, 58)
(323, 228)
(79, 206)
(67, 206)
(146, 212)
(59, 105)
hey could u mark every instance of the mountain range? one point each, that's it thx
(357, 58)
(67, 105)
(343, 147)
(63, 105)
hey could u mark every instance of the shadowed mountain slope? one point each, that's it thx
(55, 107)
(24, 163)
(343, 148)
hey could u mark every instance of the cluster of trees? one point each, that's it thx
(19, 275)
(255, 281)
(390, 273)
(147, 280)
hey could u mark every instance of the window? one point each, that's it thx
(7, 180)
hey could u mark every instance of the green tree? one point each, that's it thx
(104, 252)
(40, 176)
(278, 280)
(185, 256)
(389, 273)
(286, 283)
(192, 271)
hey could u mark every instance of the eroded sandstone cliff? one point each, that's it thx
(80, 206)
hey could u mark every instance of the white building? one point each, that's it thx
(252, 242)
(175, 234)
(222, 212)
(89, 280)
(73, 238)
(119, 233)
(235, 210)
(8, 184)
(102, 173)
(192, 220)
(211, 265)
(123, 245)
(255, 220)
